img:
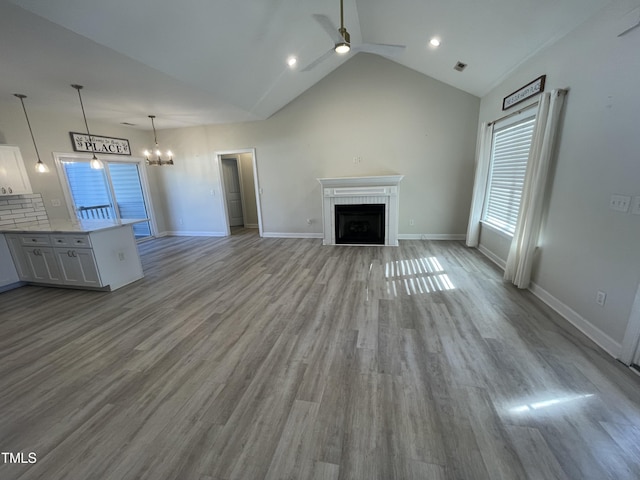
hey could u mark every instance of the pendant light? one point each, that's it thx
(95, 163)
(155, 157)
(40, 167)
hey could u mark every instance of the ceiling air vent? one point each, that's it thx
(460, 66)
(128, 124)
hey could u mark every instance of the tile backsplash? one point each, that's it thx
(23, 211)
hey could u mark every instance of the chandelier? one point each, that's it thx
(155, 157)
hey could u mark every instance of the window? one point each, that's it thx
(115, 192)
(509, 153)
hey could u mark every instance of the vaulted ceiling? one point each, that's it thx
(211, 61)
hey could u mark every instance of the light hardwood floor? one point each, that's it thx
(248, 358)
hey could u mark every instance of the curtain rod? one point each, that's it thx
(513, 113)
(559, 91)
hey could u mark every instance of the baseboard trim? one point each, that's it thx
(250, 225)
(291, 235)
(431, 236)
(603, 340)
(177, 233)
(492, 256)
(596, 335)
(11, 286)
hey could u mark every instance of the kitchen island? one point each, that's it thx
(90, 254)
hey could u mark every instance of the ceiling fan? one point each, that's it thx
(342, 41)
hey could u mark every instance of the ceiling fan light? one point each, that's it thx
(342, 48)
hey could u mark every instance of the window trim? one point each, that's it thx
(78, 156)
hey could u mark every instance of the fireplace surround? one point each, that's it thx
(375, 190)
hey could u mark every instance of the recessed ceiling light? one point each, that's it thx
(291, 61)
(434, 42)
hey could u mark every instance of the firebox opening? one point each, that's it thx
(360, 224)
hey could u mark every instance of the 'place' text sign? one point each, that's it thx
(98, 144)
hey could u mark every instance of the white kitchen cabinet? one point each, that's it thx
(13, 174)
(8, 274)
(78, 267)
(105, 259)
(42, 264)
(14, 242)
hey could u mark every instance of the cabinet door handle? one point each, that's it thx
(74, 254)
(69, 253)
(4, 190)
(10, 191)
(37, 251)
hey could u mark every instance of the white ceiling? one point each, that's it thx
(212, 61)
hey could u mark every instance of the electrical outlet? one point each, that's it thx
(55, 202)
(620, 203)
(601, 297)
(121, 256)
(635, 207)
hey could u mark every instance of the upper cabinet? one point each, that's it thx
(13, 175)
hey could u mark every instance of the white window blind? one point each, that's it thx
(509, 154)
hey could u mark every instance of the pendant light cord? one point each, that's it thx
(22, 97)
(153, 125)
(84, 116)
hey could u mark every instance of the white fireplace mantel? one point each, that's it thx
(381, 189)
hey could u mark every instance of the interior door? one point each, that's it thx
(231, 178)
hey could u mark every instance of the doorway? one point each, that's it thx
(630, 354)
(119, 191)
(238, 178)
(233, 191)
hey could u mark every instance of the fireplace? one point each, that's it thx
(360, 224)
(360, 193)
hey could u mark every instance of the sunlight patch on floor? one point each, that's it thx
(416, 276)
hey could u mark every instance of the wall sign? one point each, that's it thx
(528, 91)
(116, 146)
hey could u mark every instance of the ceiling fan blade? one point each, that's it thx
(329, 27)
(317, 61)
(383, 49)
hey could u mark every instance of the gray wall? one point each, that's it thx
(585, 246)
(51, 131)
(395, 120)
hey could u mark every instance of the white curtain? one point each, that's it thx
(480, 183)
(525, 238)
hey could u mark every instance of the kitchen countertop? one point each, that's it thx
(72, 226)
